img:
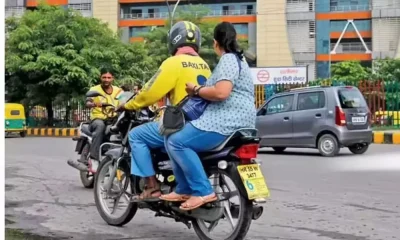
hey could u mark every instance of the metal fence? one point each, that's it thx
(383, 99)
(69, 115)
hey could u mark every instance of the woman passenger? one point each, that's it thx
(230, 91)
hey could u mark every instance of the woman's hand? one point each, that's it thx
(190, 88)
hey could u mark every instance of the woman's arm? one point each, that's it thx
(219, 92)
(226, 74)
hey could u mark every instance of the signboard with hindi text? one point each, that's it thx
(279, 75)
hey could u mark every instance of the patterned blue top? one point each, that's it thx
(238, 110)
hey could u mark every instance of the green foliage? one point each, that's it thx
(53, 51)
(156, 40)
(387, 69)
(349, 71)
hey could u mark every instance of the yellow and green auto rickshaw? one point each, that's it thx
(15, 121)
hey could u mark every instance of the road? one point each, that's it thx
(312, 198)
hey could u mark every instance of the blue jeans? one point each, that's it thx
(141, 139)
(188, 169)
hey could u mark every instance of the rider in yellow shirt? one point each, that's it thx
(99, 116)
(184, 66)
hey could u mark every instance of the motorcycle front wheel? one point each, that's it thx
(102, 199)
(237, 217)
(87, 178)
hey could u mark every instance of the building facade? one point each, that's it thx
(313, 33)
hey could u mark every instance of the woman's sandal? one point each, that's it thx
(203, 200)
(174, 197)
(148, 195)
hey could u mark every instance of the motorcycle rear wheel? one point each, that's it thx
(131, 208)
(245, 211)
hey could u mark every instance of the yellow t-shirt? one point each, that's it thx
(170, 81)
(96, 112)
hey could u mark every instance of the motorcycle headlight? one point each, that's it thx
(7, 123)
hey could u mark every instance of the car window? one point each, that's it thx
(351, 98)
(280, 104)
(14, 112)
(311, 100)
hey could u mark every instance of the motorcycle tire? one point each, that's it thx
(131, 208)
(87, 178)
(245, 213)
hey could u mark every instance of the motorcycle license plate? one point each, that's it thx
(253, 181)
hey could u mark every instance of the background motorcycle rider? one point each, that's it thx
(97, 117)
(183, 67)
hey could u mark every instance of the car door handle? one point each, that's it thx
(286, 119)
(318, 115)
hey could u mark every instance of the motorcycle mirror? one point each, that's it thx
(93, 94)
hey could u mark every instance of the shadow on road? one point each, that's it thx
(17, 234)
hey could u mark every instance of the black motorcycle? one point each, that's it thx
(232, 168)
(84, 140)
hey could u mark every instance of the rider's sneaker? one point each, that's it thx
(93, 165)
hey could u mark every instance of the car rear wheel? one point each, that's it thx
(328, 145)
(279, 149)
(359, 148)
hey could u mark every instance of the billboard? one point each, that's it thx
(279, 75)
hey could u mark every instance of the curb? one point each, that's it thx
(377, 137)
(386, 138)
(52, 132)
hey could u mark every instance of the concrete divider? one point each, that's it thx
(53, 132)
(386, 137)
(377, 136)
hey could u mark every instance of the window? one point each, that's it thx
(81, 6)
(311, 29)
(136, 13)
(225, 10)
(312, 100)
(151, 12)
(351, 98)
(14, 112)
(249, 9)
(311, 6)
(280, 104)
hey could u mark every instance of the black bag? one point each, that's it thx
(172, 119)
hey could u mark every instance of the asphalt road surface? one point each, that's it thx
(312, 198)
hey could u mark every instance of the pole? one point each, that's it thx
(330, 59)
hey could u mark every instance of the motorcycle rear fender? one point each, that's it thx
(114, 153)
(81, 142)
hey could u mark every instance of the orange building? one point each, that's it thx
(313, 33)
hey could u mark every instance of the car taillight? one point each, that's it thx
(247, 152)
(340, 117)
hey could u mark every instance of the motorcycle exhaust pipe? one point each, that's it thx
(257, 211)
(77, 165)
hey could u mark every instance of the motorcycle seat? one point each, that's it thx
(243, 135)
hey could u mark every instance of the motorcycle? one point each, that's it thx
(233, 162)
(84, 164)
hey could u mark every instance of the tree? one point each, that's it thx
(387, 69)
(54, 51)
(350, 71)
(156, 40)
